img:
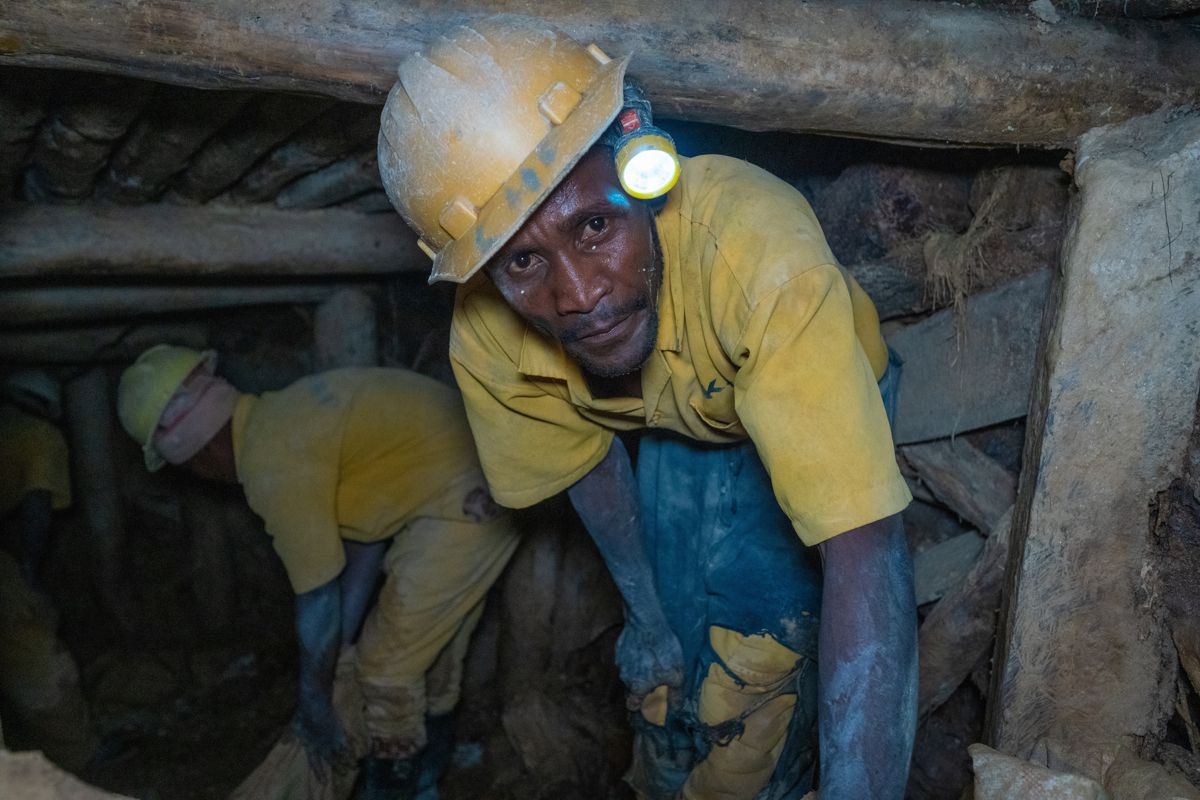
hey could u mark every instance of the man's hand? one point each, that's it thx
(316, 726)
(648, 656)
(318, 631)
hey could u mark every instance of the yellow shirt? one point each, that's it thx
(761, 334)
(33, 456)
(351, 454)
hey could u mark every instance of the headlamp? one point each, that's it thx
(647, 163)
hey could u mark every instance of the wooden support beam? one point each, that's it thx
(75, 144)
(1084, 654)
(925, 72)
(90, 344)
(172, 241)
(91, 421)
(24, 94)
(969, 370)
(960, 629)
(1144, 9)
(335, 133)
(60, 305)
(173, 128)
(256, 130)
(339, 181)
(958, 632)
(965, 479)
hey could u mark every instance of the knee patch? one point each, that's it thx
(758, 661)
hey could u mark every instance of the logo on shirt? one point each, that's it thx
(711, 389)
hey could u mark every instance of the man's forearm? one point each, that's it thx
(648, 653)
(868, 664)
(606, 499)
(318, 630)
(357, 581)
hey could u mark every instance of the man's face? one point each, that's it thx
(584, 269)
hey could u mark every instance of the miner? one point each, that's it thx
(351, 470)
(609, 286)
(39, 680)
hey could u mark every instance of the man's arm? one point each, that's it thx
(606, 499)
(868, 663)
(357, 582)
(318, 629)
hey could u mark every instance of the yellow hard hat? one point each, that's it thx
(148, 385)
(482, 126)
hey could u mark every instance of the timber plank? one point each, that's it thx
(1084, 654)
(968, 371)
(927, 72)
(173, 241)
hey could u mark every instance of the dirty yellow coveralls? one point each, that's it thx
(367, 455)
(39, 682)
(761, 335)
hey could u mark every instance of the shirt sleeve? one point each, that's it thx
(532, 442)
(290, 476)
(806, 394)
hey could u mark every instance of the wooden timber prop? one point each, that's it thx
(1147, 9)
(965, 479)
(969, 369)
(259, 127)
(172, 241)
(165, 241)
(88, 344)
(174, 126)
(92, 426)
(339, 181)
(59, 305)
(1084, 653)
(921, 72)
(959, 631)
(24, 94)
(74, 144)
(334, 134)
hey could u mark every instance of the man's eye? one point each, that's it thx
(597, 224)
(521, 261)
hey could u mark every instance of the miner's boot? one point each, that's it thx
(389, 778)
(434, 760)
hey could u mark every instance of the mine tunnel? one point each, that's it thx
(1015, 186)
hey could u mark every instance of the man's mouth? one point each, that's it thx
(608, 329)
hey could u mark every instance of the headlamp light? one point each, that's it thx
(647, 164)
(646, 159)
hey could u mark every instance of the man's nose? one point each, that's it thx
(579, 287)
